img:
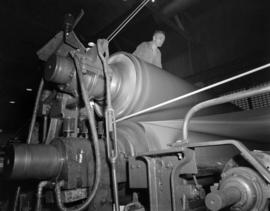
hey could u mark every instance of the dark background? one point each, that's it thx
(206, 41)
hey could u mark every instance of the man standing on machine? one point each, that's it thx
(149, 51)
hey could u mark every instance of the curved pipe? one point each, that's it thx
(41, 185)
(217, 101)
(91, 119)
(17, 195)
(59, 202)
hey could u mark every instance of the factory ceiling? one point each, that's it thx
(206, 40)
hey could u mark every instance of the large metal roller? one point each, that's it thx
(137, 85)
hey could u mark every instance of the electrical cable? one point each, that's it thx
(92, 124)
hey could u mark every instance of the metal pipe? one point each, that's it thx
(77, 20)
(45, 128)
(115, 186)
(17, 195)
(41, 185)
(217, 101)
(92, 124)
(34, 115)
(127, 20)
(58, 195)
(91, 119)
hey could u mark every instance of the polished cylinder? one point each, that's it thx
(137, 85)
(59, 69)
(62, 71)
(69, 159)
(32, 161)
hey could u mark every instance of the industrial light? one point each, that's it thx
(29, 89)
(12, 101)
(91, 44)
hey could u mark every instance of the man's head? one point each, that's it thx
(159, 38)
